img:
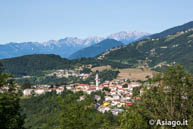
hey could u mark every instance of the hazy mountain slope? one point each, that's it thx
(20, 49)
(96, 49)
(173, 30)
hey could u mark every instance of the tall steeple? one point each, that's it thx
(97, 81)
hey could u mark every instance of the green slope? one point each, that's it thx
(177, 48)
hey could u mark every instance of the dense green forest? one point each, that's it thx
(52, 80)
(34, 64)
(63, 111)
(37, 64)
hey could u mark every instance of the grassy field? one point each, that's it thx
(173, 36)
(191, 36)
(101, 68)
(135, 73)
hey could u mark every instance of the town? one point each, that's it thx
(118, 92)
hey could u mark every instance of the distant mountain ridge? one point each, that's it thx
(63, 47)
(128, 37)
(96, 49)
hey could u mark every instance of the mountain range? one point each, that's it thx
(155, 53)
(63, 47)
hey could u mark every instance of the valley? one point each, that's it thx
(101, 83)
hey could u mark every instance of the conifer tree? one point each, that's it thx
(10, 117)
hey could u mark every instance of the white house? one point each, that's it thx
(27, 92)
(107, 98)
(40, 91)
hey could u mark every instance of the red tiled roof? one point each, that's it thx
(128, 104)
(91, 88)
(83, 85)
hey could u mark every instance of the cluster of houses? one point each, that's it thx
(68, 73)
(39, 91)
(117, 97)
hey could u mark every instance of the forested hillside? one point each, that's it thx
(34, 64)
(38, 63)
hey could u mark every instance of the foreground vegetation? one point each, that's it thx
(170, 97)
(10, 110)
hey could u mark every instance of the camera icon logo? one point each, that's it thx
(152, 122)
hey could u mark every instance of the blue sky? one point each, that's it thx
(42, 20)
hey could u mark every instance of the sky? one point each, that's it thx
(43, 20)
